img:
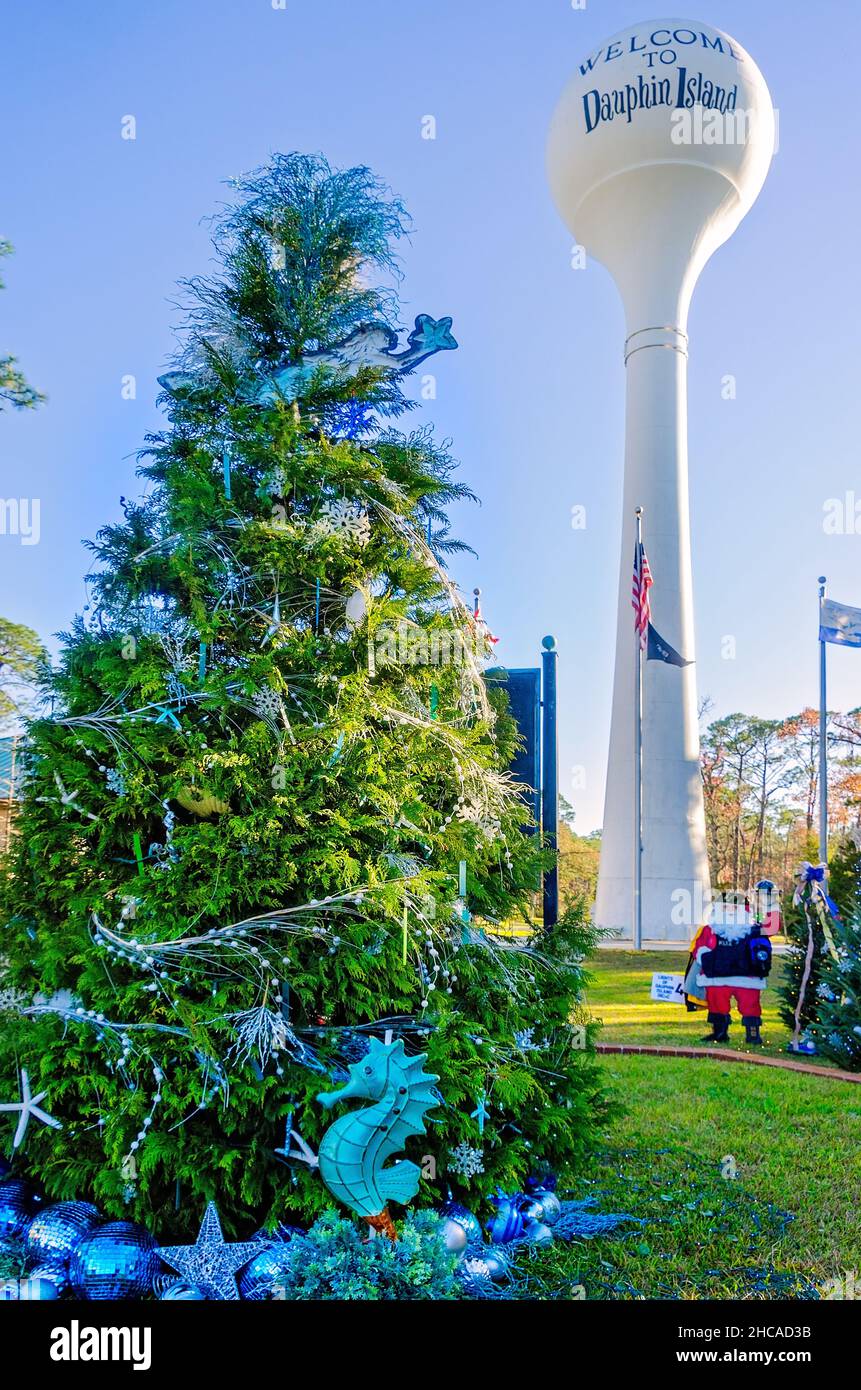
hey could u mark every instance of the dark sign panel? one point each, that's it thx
(523, 688)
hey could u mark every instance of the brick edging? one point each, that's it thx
(723, 1054)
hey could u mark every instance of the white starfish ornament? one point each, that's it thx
(29, 1105)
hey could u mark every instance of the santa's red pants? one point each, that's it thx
(749, 1000)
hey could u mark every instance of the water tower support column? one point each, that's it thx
(674, 840)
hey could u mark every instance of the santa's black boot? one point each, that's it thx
(751, 1030)
(720, 1028)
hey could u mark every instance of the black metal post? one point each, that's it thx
(550, 776)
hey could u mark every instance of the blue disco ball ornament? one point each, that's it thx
(462, 1216)
(181, 1292)
(55, 1232)
(280, 1234)
(261, 1276)
(55, 1277)
(18, 1205)
(117, 1260)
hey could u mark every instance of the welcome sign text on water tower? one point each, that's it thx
(658, 50)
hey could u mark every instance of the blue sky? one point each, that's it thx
(103, 227)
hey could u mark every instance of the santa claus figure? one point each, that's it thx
(730, 960)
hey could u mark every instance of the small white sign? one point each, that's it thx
(668, 989)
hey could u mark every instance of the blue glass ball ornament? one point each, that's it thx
(117, 1260)
(537, 1233)
(55, 1232)
(507, 1224)
(18, 1205)
(455, 1211)
(551, 1208)
(487, 1263)
(543, 1206)
(454, 1236)
(55, 1275)
(181, 1292)
(498, 1264)
(258, 1282)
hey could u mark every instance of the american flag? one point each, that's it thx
(642, 583)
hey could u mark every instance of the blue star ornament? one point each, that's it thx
(481, 1111)
(432, 335)
(211, 1263)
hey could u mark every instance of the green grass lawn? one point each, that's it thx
(786, 1222)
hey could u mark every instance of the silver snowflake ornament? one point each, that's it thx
(346, 519)
(267, 704)
(211, 1262)
(466, 1161)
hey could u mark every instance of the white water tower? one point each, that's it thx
(658, 147)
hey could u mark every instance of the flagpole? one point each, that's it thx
(638, 767)
(823, 742)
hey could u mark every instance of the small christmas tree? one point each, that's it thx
(797, 965)
(269, 815)
(837, 1025)
(802, 966)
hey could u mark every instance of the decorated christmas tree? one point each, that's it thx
(836, 1028)
(802, 969)
(267, 826)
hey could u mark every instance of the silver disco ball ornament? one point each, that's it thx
(18, 1205)
(55, 1232)
(261, 1277)
(117, 1260)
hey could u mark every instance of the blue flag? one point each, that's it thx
(659, 650)
(840, 624)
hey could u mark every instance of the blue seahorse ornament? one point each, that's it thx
(354, 1150)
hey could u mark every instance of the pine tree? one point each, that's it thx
(15, 389)
(837, 1025)
(264, 779)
